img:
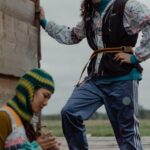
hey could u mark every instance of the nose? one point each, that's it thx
(45, 103)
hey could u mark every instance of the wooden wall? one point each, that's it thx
(19, 42)
(7, 88)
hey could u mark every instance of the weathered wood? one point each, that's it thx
(18, 46)
(37, 24)
(19, 42)
(21, 9)
(7, 88)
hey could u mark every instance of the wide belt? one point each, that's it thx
(124, 49)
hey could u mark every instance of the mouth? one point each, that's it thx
(41, 107)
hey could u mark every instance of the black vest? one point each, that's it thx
(114, 35)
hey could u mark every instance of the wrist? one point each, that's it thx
(43, 22)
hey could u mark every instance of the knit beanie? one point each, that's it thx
(32, 80)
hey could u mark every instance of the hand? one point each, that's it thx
(123, 57)
(57, 146)
(42, 13)
(48, 142)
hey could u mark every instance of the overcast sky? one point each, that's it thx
(66, 62)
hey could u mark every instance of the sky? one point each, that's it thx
(66, 62)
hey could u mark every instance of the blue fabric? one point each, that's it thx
(43, 23)
(102, 5)
(121, 102)
(133, 75)
(26, 146)
(31, 146)
(134, 60)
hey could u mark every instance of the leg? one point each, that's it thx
(122, 105)
(84, 101)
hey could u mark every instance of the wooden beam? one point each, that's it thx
(37, 24)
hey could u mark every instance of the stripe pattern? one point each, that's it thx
(137, 139)
(32, 80)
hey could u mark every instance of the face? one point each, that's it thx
(40, 99)
(95, 1)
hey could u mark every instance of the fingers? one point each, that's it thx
(118, 56)
(48, 142)
(122, 57)
(49, 133)
(42, 13)
(57, 146)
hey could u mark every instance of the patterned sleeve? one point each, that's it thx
(64, 34)
(137, 18)
(5, 127)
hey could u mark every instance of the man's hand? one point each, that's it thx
(42, 13)
(123, 57)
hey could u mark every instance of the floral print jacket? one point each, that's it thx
(136, 19)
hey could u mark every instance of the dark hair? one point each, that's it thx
(87, 13)
(30, 132)
(86, 9)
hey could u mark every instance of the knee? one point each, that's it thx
(65, 111)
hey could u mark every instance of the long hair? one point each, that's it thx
(87, 13)
(86, 9)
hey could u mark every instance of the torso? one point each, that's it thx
(17, 137)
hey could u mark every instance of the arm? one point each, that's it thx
(136, 19)
(63, 34)
(5, 128)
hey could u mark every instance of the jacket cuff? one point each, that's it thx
(43, 23)
(134, 60)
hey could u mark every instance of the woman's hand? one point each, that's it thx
(123, 57)
(57, 146)
(48, 142)
(42, 13)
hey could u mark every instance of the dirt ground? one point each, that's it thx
(106, 143)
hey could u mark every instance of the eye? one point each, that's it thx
(47, 96)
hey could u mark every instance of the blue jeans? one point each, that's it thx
(121, 102)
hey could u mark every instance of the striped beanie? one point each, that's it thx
(32, 80)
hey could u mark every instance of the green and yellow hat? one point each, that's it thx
(21, 102)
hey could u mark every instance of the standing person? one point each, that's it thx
(111, 28)
(16, 131)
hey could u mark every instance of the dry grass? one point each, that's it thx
(95, 127)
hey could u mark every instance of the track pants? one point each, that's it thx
(121, 102)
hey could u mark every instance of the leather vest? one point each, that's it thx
(114, 35)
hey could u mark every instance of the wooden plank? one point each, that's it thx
(23, 10)
(37, 24)
(7, 89)
(18, 46)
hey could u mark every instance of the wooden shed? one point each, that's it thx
(19, 42)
